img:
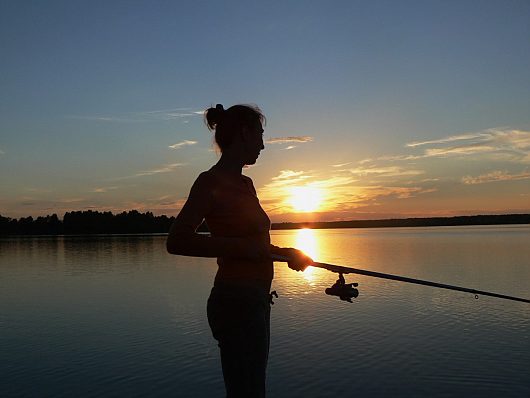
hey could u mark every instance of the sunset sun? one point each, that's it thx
(305, 199)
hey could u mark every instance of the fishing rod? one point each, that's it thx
(347, 291)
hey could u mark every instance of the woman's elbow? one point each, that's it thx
(170, 247)
(174, 245)
(177, 239)
(180, 242)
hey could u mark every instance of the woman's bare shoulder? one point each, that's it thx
(207, 178)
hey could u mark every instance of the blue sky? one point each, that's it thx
(409, 108)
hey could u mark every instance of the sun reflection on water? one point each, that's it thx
(307, 241)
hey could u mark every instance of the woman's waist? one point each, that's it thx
(254, 287)
(245, 273)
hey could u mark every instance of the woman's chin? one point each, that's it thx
(251, 161)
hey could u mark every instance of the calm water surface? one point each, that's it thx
(116, 316)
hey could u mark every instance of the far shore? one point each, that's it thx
(499, 219)
(135, 223)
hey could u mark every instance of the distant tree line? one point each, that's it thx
(134, 222)
(87, 222)
(498, 219)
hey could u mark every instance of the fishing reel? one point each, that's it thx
(345, 291)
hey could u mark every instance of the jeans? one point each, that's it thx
(239, 318)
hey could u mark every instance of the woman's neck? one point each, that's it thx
(230, 164)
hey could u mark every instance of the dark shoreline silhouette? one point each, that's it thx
(86, 223)
(134, 222)
(497, 219)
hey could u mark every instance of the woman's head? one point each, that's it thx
(239, 122)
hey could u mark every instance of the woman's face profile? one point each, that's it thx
(253, 142)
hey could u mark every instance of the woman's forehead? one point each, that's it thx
(256, 124)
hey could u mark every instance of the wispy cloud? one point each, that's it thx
(390, 158)
(163, 169)
(176, 113)
(183, 114)
(104, 189)
(375, 192)
(71, 200)
(458, 151)
(494, 176)
(492, 144)
(509, 144)
(104, 118)
(285, 140)
(461, 137)
(182, 143)
(2, 152)
(286, 175)
(387, 171)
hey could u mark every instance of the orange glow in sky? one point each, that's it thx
(305, 199)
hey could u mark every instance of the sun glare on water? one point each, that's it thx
(305, 199)
(306, 240)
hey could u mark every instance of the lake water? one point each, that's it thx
(116, 316)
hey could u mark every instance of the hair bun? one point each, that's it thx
(214, 115)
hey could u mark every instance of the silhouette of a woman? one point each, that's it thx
(239, 304)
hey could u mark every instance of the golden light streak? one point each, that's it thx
(307, 241)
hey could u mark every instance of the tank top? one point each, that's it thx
(237, 213)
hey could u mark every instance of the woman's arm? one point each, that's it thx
(184, 240)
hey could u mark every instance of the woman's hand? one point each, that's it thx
(298, 260)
